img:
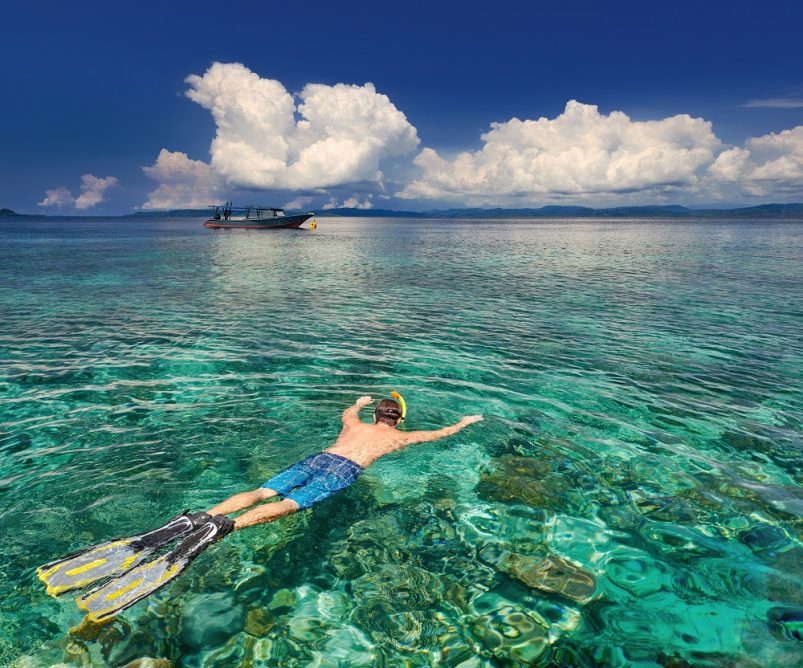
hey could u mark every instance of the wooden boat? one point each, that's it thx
(228, 217)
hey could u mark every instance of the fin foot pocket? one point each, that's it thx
(109, 600)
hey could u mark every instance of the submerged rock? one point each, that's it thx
(520, 528)
(548, 572)
(507, 632)
(259, 622)
(667, 509)
(746, 442)
(786, 623)
(522, 479)
(209, 620)
(635, 572)
(766, 539)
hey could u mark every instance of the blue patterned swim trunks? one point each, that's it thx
(314, 479)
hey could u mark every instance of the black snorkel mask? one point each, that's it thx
(391, 412)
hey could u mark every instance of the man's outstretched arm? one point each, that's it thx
(352, 413)
(412, 437)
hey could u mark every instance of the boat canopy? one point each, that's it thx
(227, 211)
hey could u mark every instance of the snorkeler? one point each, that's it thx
(300, 486)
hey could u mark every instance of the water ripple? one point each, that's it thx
(633, 497)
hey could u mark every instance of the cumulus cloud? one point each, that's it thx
(330, 141)
(92, 189)
(776, 103)
(183, 182)
(298, 202)
(336, 135)
(58, 197)
(767, 165)
(578, 154)
(92, 193)
(349, 203)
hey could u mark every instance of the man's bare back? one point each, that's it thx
(364, 443)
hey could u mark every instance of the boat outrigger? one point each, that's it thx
(226, 216)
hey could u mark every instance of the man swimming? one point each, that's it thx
(318, 477)
(300, 486)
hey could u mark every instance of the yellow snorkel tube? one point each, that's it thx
(398, 397)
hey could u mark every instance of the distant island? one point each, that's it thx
(669, 211)
(794, 210)
(7, 213)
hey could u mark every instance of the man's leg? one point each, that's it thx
(266, 513)
(290, 478)
(240, 501)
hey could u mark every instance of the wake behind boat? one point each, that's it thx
(227, 216)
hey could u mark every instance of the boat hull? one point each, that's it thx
(277, 223)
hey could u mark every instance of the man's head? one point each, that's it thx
(388, 412)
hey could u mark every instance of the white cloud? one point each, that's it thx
(768, 165)
(336, 135)
(777, 103)
(59, 197)
(92, 192)
(327, 142)
(579, 154)
(298, 202)
(183, 182)
(92, 189)
(349, 203)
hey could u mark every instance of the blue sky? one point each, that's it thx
(693, 103)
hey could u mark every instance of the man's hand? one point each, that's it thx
(470, 419)
(352, 413)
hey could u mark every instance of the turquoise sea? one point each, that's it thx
(632, 498)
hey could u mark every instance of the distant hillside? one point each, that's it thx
(372, 213)
(669, 211)
(768, 211)
(764, 211)
(173, 213)
(10, 213)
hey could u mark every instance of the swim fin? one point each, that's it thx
(114, 557)
(112, 598)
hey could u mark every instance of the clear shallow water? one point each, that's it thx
(633, 496)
